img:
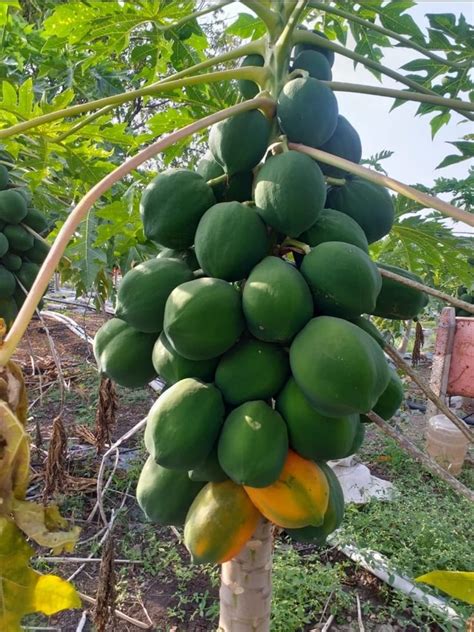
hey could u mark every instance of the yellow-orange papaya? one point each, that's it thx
(298, 498)
(220, 521)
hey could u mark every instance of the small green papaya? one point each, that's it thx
(7, 283)
(327, 52)
(4, 177)
(19, 239)
(237, 187)
(27, 274)
(4, 245)
(332, 225)
(249, 89)
(315, 64)
(11, 262)
(188, 256)
(36, 220)
(397, 301)
(210, 470)
(13, 207)
(39, 252)
(209, 169)
(371, 329)
(8, 310)
(345, 143)
(172, 367)
(391, 399)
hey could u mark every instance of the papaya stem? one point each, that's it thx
(283, 43)
(447, 298)
(268, 17)
(192, 16)
(218, 180)
(322, 6)
(90, 198)
(294, 243)
(337, 182)
(429, 463)
(454, 104)
(82, 123)
(428, 201)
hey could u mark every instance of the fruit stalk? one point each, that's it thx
(245, 592)
(268, 17)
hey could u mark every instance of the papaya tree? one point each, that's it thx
(254, 313)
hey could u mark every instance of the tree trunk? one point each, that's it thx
(246, 585)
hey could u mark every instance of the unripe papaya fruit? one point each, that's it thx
(252, 370)
(312, 435)
(210, 470)
(4, 177)
(253, 444)
(391, 399)
(27, 274)
(343, 279)
(203, 318)
(38, 253)
(370, 328)
(172, 205)
(188, 256)
(230, 240)
(3, 245)
(13, 207)
(237, 187)
(124, 354)
(143, 292)
(219, 523)
(239, 142)
(307, 111)
(333, 516)
(338, 366)
(398, 301)
(276, 301)
(333, 225)
(209, 169)
(298, 498)
(165, 495)
(172, 367)
(328, 53)
(345, 143)
(315, 64)
(7, 283)
(19, 239)
(290, 192)
(184, 423)
(369, 204)
(36, 220)
(249, 89)
(8, 310)
(12, 262)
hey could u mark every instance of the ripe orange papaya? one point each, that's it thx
(298, 498)
(219, 523)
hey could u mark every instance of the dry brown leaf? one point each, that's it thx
(14, 458)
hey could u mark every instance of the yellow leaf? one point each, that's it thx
(13, 390)
(44, 525)
(22, 589)
(14, 458)
(457, 584)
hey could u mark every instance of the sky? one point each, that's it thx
(416, 155)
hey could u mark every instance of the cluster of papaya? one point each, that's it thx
(22, 249)
(269, 364)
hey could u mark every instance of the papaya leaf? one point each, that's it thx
(14, 458)
(23, 589)
(247, 26)
(457, 584)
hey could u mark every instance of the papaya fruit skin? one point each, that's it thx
(371, 329)
(397, 301)
(298, 498)
(13, 207)
(8, 310)
(329, 54)
(252, 370)
(203, 318)
(391, 399)
(184, 423)
(236, 188)
(253, 444)
(210, 470)
(290, 192)
(249, 89)
(4, 177)
(307, 111)
(19, 239)
(333, 516)
(239, 142)
(172, 367)
(312, 435)
(338, 366)
(143, 292)
(315, 63)
(124, 354)
(345, 143)
(369, 204)
(38, 253)
(27, 274)
(165, 495)
(172, 205)
(7, 283)
(188, 256)
(276, 301)
(333, 225)
(343, 279)
(36, 220)
(219, 522)
(4, 245)
(230, 240)
(11, 261)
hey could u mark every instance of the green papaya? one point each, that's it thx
(7, 283)
(369, 204)
(397, 301)
(13, 207)
(343, 279)
(315, 64)
(38, 253)
(237, 187)
(210, 470)
(36, 220)
(358, 439)
(312, 435)
(370, 328)
(165, 495)
(27, 274)
(4, 245)
(143, 292)
(249, 89)
(391, 399)
(124, 354)
(307, 111)
(19, 239)
(230, 240)
(172, 367)
(209, 169)
(253, 445)
(345, 143)
(327, 52)
(4, 177)
(203, 318)
(290, 192)
(172, 205)
(338, 366)
(184, 423)
(11, 262)
(332, 225)
(276, 301)
(332, 518)
(8, 310)
(252, 370)
(239, 142)
(188, 256)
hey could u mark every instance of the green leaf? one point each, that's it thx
(457, 584)
(438, 121)
(247, 26)
(467, 151)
